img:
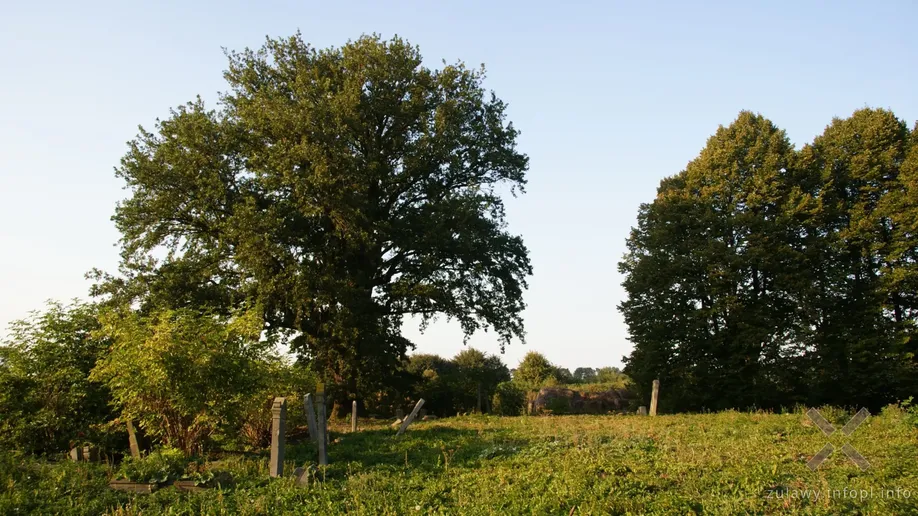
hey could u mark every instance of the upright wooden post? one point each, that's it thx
(278, 431)
(311, 418)
(654, 396)
(132, 440)
(321, 425)
(354, 416)
(410, 418)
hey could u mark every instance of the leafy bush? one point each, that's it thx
(534, 371)
(910, 410)
(509, 400)
(162, 465)
(47, 402)
(181, 374)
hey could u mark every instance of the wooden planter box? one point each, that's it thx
(133, 487)
(188, 486)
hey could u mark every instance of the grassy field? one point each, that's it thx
(724, 463)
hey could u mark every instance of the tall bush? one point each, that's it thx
(181, 374)
(46, 399)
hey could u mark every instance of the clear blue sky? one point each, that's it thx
(610, 98)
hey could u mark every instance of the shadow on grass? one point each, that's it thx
(428, 449)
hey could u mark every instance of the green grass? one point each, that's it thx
(724, 463)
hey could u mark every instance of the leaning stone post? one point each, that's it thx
(132, 439)
(410, 418)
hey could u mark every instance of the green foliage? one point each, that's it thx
(911, 411)
(718, 463)
(534, 372)
(161, 465)
(761, 276)
(181, 374)
(275, 377)
(478, 377)
(612, 378)
(435, 381)
(466, 383)
(341, 189)
(47, 402)
(509, 399)
(584, 375)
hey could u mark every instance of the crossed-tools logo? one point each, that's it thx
(828, 429)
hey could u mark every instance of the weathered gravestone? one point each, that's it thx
(311, 418)
(322, 424)
(278, 435)
(642, 410)
(654, 396)
(132, 439)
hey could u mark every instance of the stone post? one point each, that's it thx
(132, 439)
(410, 418)
(354, 416)
(321, 424)
(311, 418)
(654, 397)
(278, 431)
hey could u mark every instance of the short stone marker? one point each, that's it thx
(642, 410)
(278, 431)
(311, 418)
(91, 453)
(410, 418)
(654, 396)
(132, 439)
(399, 413)
(354, 416)
(302, 476)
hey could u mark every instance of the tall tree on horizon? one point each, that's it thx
(703, 273)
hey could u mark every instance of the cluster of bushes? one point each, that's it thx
(189, 380)
(473, 381)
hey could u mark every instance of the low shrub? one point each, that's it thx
(509, 400)
(162, 465)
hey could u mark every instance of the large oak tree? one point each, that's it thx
(338, 190)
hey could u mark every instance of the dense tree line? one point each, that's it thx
(764, 276)
(75, 374)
